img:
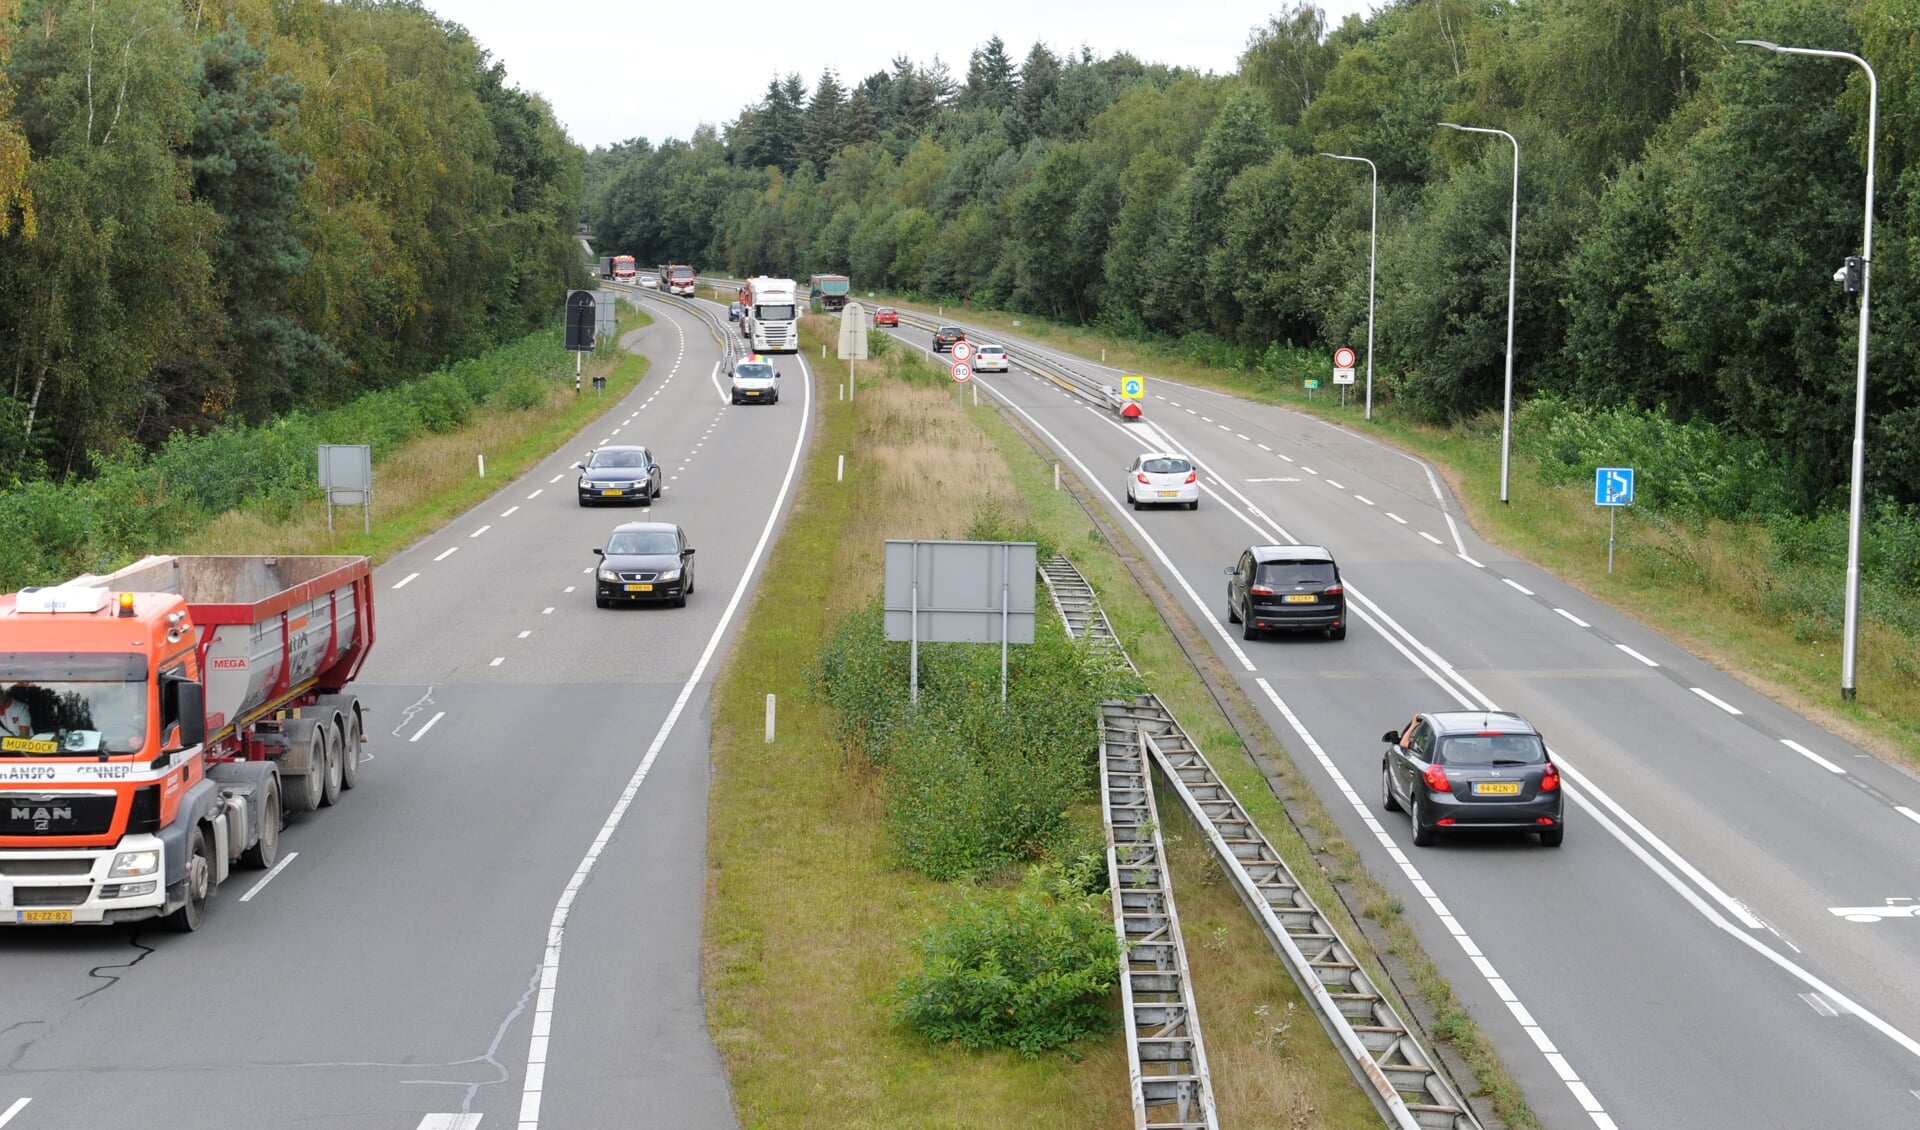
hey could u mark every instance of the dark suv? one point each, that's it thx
(945, 336)
(1472, 769)
(1287, 587)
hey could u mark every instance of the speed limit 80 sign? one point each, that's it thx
(962, 371)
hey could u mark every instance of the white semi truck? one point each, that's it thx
(770, 316)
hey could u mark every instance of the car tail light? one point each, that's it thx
(1260, 590)
(1193, 476)
(1543, 820)
(1332, 590)
(1444, 821)
(1436, 779)
(1142, 476)
(1550, 780)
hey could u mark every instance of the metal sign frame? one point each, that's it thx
(960, 592)
(346, 478)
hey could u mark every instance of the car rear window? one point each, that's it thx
(1491, 749)
(1297, 572)
(1166, 466)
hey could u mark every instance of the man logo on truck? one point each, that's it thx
(42, 817)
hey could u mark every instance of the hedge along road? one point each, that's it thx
(1677, 963)
(391, 975)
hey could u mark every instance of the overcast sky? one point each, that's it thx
(614, 69)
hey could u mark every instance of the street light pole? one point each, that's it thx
(1373, 243)
(1850, 633)
(1513, 261)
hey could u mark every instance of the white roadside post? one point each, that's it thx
(853, 339)
(769, 718)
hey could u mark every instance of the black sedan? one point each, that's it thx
(1454, 769)
(619, 474)
(644, 561)
(1289, 587)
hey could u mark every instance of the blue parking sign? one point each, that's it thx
(1613, 486)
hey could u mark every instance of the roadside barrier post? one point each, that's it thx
(769, 718)
(839, 468)
(483, 466)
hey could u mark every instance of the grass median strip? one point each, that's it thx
(811, 921)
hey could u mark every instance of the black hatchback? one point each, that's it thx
(1454, 769)
(1286, 588)
(945, 336)
(644, 561)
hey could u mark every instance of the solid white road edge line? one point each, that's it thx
(16, 1108)
(264, 880)
(534, 1088)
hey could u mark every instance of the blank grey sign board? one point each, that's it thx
(959, 598)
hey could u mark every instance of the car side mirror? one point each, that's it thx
(689, 551)
(1391, 737)
(599, 552)
(579, 466)
(184, 701)
(1229, 570)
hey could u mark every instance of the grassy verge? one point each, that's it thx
(435, 477)
(1265, 1048)
(1712, 588)
(808, 919)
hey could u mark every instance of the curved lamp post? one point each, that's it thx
(1513, 259)
(1851, 632)
(1373, 242)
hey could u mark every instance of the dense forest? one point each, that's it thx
(216, 211)
(1684, 202)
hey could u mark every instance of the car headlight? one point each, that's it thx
(129, 863)
(669, 575)
(609, 575)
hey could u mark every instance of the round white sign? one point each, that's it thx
(1343, 358)
(963, 350)
(962, 371)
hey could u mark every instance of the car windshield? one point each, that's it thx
(49, 708)
(635, 542)
(625, 459)
(1165, 466)
(1297, 572)
(1492, 749)
(753, 372)
(773, 313)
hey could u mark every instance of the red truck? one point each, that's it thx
(156, 723)
(679, 279)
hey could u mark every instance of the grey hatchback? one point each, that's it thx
(1453, 769)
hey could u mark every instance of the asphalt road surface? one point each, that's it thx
(501, 925)
(1679, 963)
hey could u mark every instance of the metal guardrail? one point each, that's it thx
(1397, 1073)
(1166, 1059)
(1067, 377)
(722, 336)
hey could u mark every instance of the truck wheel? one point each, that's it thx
(303, 791)
(199, 885)
(350, 748)
(330, 781)
(265, 851)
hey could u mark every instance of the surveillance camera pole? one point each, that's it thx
(1850, 634)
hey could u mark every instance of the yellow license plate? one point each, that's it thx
(639, 588)
(28, 745)
(1496, 788)
(1302, 598)
(44, 917)
(1169, 494)
(612, 492)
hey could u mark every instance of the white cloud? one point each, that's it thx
(614, 69)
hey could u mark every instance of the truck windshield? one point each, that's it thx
(773, 313)
(58, 704)
(682, 273)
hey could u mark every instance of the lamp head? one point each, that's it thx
(1760, 43)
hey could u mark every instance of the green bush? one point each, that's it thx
(521, 394)
(443, 401)
(1029, 970)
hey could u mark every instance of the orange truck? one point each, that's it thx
(156, 723)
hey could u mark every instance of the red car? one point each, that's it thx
(886, 316)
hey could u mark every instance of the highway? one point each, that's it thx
(1678, 963)
(501, 925)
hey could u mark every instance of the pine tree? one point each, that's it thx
(825, 132)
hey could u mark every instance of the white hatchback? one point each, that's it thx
(1157, 478)
(990, 359)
